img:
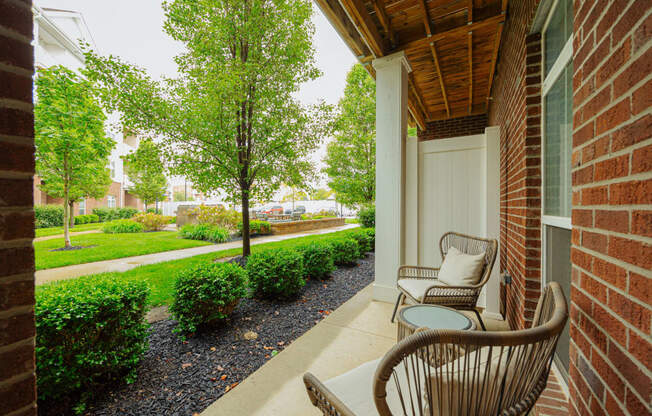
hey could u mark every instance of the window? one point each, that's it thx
(110, 201)
(557, 127)
(82, 207)
(112, 167)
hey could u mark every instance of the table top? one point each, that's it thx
(434, 317)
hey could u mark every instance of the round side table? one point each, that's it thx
(414, 317)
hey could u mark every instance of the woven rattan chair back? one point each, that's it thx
(472, 372)
(471, 245)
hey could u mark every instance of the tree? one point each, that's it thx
(351, 156)
(321, 194)
(181, 196)
(230, 120)
(72, 149)
(146, 171)
(94, 186)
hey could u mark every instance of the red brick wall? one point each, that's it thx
(455, 127)
(611, 354)
(17, 379)
(516, 108)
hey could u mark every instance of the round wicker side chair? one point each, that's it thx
(420, 284)
(452, 373)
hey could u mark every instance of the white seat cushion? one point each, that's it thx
(461, 269)
(355, 389)
(417, 287)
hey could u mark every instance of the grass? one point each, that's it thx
(45, 232)
(352, 221)
(108, 246)
(161, 276)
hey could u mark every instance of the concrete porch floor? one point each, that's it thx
(357, 332)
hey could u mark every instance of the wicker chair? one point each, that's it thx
(448, 373)
(420, 284)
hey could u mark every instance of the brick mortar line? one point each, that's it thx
(24, 140)
(21, 277)
(16, 310)
(17, 344)
(623, 207)
(617, 262)
(627, 236)
(19, 105)
(21, 4)
(609, 132)
(16, 70)
(22, 409)
(11, 34)
(16, 379)
(18, 243)
(7, 174)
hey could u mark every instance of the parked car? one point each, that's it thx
(299, 209)
(273, 210)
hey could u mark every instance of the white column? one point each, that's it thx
(391, 132)
(492, 221)
(412, 201)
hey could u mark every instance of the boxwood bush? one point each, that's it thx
(110, 214)
(86, 219)
(318, 260)
(367, 216)
(276, 273)
(345, 251)
(257, 227)
(46, 216)
(207, 293)
(364, 240)
(205, 232)
(371, 232)
(88, 331)
(122, 226)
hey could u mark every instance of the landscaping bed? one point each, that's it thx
(177, 377)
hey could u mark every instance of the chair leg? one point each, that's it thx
(398, 302)
(479, 319)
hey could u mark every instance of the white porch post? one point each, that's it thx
(391, 132)
(492, 221)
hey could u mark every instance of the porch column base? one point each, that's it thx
(384, 293)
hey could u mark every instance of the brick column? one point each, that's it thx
(17, 378)
(611, 353)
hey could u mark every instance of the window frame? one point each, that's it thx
(108, 201)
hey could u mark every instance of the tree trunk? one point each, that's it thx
(246, 241)
(66, 217)
(71, 206)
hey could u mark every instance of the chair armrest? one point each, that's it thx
(324, 399)
(417, 272)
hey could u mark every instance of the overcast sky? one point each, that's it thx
(133, 30)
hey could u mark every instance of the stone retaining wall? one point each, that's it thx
(305, 225)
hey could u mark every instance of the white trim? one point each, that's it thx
(383, 293)
(565, 56)
(559, 222)
(456, 143)
(379, 63)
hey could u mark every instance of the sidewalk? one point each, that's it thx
(128, 263)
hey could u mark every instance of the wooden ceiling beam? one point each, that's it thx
(361, 19)
(417, 116)
(417, 94)
(433, 50)
(455, 32)
(381, 12)
(494, 56)
(469, 38)
(426, 17)
(340, 21)
(469, 9)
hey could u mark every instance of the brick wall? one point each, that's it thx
(611, 354)
(516, 108)
(17, 379)
(454, 127)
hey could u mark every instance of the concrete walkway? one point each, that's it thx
(356, 332)
(128, 263)
(72, 234)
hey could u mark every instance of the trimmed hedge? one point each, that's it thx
(88, 331)
(276, 273)
(257, 227)
(46, 216)
(122, 226)
(367, 216)
(318, 260)
(345, 251)
(86, 219)
(371, 232)
(110, 214)
(205, 232)
(207, 293)
(151, 222)
(364, 240)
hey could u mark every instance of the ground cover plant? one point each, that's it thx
(122, 227)
(160, 277)
(100, 246)
(88, 331)
(207, 293)
(205, 232)
(46, 232)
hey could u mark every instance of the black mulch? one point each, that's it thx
(72, 248)
(181, 378)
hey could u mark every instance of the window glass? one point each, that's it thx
(557, 145)
(82, 207)
(559, 30)
(110, 201)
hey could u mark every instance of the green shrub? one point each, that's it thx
(46, 216)
(367, 216)
(257, 227)
(317, 259)
(371, 232)
(345, 251)
(151, 222)
(88, 331)
(218, 235)
(206, 293)
(276, 273)
(86, 219)
(122, 226)
(217, 215)
(126, 213)
(205, 232)
(110, 214)
(364, 240)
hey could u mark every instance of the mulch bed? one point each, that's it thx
(183, 378)
(72, 248)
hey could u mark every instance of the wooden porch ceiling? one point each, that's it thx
(452, 46)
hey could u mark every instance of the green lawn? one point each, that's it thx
(44, 232)
(161, 276)
(351, 221)
(108, 246)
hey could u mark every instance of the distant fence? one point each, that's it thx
(170, 208)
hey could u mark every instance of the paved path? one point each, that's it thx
(72, 234)
(128, 263)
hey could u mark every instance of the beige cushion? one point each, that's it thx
(417, 287)
(461, 269)
(355, 389)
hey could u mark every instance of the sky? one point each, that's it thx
(133, 30)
